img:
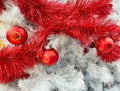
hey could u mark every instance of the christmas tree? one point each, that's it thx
(59, 45)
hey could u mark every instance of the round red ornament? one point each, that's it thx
(16, 35)
(105, 44)
(50, 57)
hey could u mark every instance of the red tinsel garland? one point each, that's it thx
(72, 17)
(1, 5)
(44, 12)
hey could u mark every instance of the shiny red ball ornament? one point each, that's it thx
(16, 35)
(50, 57)
(105, 45)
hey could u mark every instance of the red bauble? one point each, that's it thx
(50, 57)
(105, 45)
(16, 35)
